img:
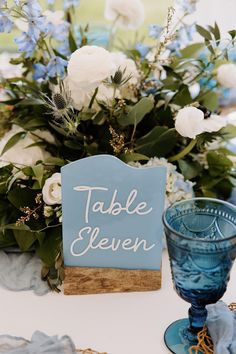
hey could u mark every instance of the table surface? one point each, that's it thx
(124, 323)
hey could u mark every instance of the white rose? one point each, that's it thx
(20, 155)
(128, 14)
(89, 66)
(226, 75)
(52, 190)
(190, 122)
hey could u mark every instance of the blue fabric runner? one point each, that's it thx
(221, 323)
(21, 271)
(40, 344)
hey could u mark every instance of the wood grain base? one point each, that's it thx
(83, 281)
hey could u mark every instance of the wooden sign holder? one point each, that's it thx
(84, 281)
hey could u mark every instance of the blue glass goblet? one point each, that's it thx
(201, 241)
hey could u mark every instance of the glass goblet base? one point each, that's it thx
(178, 338)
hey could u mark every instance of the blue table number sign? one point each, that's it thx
(112, 227)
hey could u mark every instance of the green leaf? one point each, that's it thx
(39, 173)
(161, 145)
(232, 33)
(22, 197)
(193, 50)
(189, 170)
(38, 143)
(210, 101)
(31, 124)
(133, 157)
(137, 113)
(24, 239)
(56, 161)
(13, 141)
(204, 32)
(183, 97)
(50, 247)
(218, 163)
(150, 138)
(72, 42)
(228, 132)
(28, 171)
(217, 32)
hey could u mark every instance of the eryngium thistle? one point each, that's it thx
(59, 101)
(117, 78)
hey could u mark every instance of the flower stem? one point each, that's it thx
(184, 152)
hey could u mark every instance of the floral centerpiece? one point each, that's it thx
(150, 103)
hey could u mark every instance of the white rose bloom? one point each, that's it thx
(89, 66)
(19, 154)
(52, 190)
(129, 14)
(226, 75)
(190, 122)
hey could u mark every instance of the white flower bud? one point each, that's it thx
(226, 75)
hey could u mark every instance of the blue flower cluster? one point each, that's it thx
(55, 67)
(67, 3)
(186, 6)
(6, 23)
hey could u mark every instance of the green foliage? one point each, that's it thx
(137, 113)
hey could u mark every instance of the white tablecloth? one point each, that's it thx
(130, 323)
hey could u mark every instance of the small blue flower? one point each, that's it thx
(187, 6)
(185, 34)
(37, 25)
(208, 83)
(69, 3)
(143, 49)
(232, 54)
(174, 47)
(5, 23)
(26, 44)
(64, 49)
(155, 31)
(59, 32)
(56, 67)
(32, 8)
(40, 71)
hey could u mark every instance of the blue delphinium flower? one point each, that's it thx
(59, 32)
(5, 23)
(185, 34)
(64, 49)
(40, 71)
(187, 6)
(69, 3)
(26, 44)
(155, 31)
(32, 8)
(143, 49)
(56, 67)
(37, 25)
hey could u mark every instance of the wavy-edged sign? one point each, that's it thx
(111, 223)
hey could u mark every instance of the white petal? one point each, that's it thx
(188, 122)
(214, 123)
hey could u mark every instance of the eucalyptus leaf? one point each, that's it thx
(133, 157)
(204, 32)
(39, 173)
(137, 113)
(13, 141)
